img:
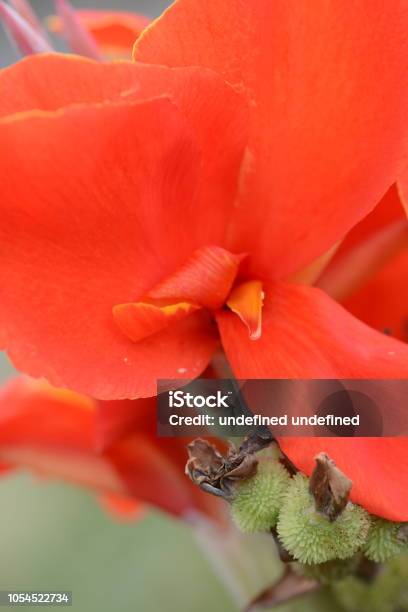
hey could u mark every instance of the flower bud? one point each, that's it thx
(257, 501)
(310, 536)
(383, 542)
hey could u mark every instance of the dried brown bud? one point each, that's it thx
(329, 487)
(205, 461)
(259, 439)
(218, 474)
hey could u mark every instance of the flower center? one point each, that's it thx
(208, 280)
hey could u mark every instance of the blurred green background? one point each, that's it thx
(56, 537)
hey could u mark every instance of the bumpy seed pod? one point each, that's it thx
(383, 542)
(257, 500)
(310, 536)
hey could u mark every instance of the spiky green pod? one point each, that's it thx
(257, 501)
(331, 571)
(383, 542)
(310, 536)
(387, 593)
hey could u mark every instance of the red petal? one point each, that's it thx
(148, 475)
(313, 271)
(126, 509)
(403, 189)
(206, 278)
(121, 420)
(348, 272)
(75, 80)
(52, 432)
(307, 335)
(220, 137)
(386, 213)
(378, 468)
(118, 419)
(5, 468)
(139, 321)
(382, 302)
(120, 423)
(327, 130)
(371, 243)
(88, 217)
(114, 31)
(215, 113)
(246, 301)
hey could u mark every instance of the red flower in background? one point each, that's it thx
(113, 31)
(150, 212)
(109, 447)
(92, 33)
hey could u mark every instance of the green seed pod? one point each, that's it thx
(329, 572)
(354, 595)
(256, 504)
(383, 542)
(310, 536)
(387, 593)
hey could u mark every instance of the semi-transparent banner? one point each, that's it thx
(229, 407)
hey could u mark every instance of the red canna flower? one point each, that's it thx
(114, 31)
(151, 212)
(143, 174)
(59, 433)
